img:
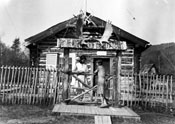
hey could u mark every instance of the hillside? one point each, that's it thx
(163, 56)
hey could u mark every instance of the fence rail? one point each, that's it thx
(153, 91)
(20, 85)
(24, 85)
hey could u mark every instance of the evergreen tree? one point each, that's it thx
(16, 45)
(13, 56)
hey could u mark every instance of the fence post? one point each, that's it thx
(140, 87)
(2, 82)
(1, 70)
(167, 92)
(35, 85)
(29, 80)
(23, 85)
(171, 89)
(163, 91)
(147, 90)
(20, 86)
(55, 88)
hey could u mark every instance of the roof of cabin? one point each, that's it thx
(99, 23)
(146, 68)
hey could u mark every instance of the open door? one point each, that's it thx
(106, 64)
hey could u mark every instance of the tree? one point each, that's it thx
(16, 45)
(13, 56)
(18, 57)
(4, 50)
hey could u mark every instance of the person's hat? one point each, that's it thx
(83, 57)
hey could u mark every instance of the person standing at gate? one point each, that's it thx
(81, 67)
(100, 71)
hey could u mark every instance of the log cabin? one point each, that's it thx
(120, 55)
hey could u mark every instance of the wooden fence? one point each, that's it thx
(147, 91)
(22, 85)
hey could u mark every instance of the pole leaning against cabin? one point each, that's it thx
(66, 76)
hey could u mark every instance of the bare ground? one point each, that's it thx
(28, 114)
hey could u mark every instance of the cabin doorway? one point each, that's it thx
(106, 64)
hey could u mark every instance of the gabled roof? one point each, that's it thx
(146, 68)
(99, 22)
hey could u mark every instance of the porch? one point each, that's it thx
(101, 115)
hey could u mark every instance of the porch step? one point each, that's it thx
(103, 120)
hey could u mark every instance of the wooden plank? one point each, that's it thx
(163, 91)
(13, 85)
(46, 78)
(32, 84)
(143, 89)
(38, 86)
(2, 84)
(17, 84)
(47, 86)
(106, 120)
(67, 109)
(78, 109)
(113, 111)
(171, 89)
(100, 111)
(11, 82)
(84, 110)
(62, 108)
(167, 92)
(98, 120)
(159, 96)
(35, 86)
(70, 110)
(128, 89)
(58, 99)
(24, 86)
(132, 91)
(66, 77)
(147, 88)
(39, 96)
(7, 85)
(73, 43)
(55, 87)
(57, 108)
(28, 84)
(74, 109)
(135, 89)
(131, 112)
(1, 69)
(21, 86)
(102, 120)
(81, 109)
(140, 87)
(154, 91)
(87, 110)
(92, 110)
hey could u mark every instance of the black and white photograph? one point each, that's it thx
(87, 62)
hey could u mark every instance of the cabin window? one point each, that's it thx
(52, 60)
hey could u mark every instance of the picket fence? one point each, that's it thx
(24, 85)
(147, 91)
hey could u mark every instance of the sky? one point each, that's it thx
(151, 20)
